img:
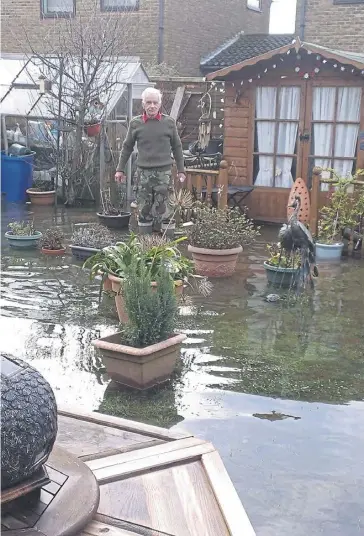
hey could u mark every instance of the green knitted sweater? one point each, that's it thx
(156, 140)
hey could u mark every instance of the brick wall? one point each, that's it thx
(190, 32)
(22, 18)
(196, 31)
(337, 26)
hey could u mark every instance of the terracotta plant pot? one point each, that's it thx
(215, 262)
(61, 251)
(140, 368)
(116, 284)
(93, 130)
(37, 197)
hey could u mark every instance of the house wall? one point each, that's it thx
(338, 26)
(193, 32)
(189, 32)
(22, 23)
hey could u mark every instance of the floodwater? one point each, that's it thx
(277, 387)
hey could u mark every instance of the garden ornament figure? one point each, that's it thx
(156, 137)
(295, 236)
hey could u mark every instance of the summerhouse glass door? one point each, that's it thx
(335, 122)
(277, 118)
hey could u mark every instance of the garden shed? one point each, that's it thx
(287, 109)
(40, 96)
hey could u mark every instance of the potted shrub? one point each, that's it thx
(155, 252)
(145, 351)
(22, 235)
(216, 239)
(51, 242)
(89, 239)
(282, 269)
(113, 216)
(339, 214)
(42, 193)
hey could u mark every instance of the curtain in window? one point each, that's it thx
(289, 108)
(265, 109)
(323, 109)
(346, 136)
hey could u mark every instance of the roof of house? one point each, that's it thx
(243, 47)
(355, 60)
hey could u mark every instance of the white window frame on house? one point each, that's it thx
(48, 11)
(338, 2)
(255, 5)
(119, 5)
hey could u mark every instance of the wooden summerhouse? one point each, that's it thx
(286, 111)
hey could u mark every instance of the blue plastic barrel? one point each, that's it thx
(16, 176)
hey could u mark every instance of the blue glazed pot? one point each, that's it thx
(23, 242)
(329, 252)
(281, 277)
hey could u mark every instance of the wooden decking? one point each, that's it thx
(153, 482)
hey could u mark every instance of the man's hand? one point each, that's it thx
(182, 177)
(120, 176)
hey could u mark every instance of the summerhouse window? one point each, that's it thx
(254, 4)
(335, 128)
(277, 113)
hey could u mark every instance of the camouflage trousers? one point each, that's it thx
(152, 191)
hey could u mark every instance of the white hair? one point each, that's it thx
(153, 92)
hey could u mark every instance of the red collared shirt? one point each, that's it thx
(145, 117)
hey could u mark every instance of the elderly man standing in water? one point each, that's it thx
(157, 138)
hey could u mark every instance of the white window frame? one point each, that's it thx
(121, 5)
(46, 13)
(255, 5)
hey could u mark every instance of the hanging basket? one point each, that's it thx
(93, 130)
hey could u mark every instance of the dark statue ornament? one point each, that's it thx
(28, 421)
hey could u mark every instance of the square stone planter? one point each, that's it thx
(140, 368)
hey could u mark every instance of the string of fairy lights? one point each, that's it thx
(300, 69)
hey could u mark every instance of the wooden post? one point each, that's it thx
(315, 195)
(223, 183)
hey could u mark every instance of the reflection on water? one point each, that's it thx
(306, 349)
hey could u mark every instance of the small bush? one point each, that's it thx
(92, 236)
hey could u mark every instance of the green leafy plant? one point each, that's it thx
(151, 311)
(153, 252)
(280, 258)
(22, 228)
(92, 236)
(52, 239)
(344, 210)
(221, 228)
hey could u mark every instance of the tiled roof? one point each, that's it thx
(243, 47)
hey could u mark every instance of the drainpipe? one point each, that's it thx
(161, 32)
(302, 20)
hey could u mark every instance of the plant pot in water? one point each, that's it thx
(145, 227)
(215, 262)
(329, 252)
(281, 277)
(23, 242)
(37, 197)
(116, 286)
(60, 251)
(82, 253)
(140, 368)
(93, 130)
(168, 228)
(118, 221)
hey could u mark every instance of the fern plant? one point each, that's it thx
(152, 311)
